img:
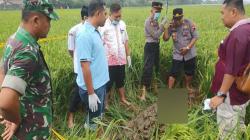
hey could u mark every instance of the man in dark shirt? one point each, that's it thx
(234, 55)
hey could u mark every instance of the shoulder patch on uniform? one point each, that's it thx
(193, 26)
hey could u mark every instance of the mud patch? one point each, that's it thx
(144, 126)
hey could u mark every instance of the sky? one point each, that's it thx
(246, 1)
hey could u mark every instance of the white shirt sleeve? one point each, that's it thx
(125, 34)
(71, 39)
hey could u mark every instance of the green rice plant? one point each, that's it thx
(201, 125)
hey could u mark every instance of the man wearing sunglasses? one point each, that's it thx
(184, 35)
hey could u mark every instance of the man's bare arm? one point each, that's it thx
(10, 105)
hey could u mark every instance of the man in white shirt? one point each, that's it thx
(115, 38)
(75, 100)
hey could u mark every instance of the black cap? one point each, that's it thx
(157, 5)
(178, 12)
(84, 11)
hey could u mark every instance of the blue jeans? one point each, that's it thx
(101, 93)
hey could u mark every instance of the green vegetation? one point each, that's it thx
(201, 125)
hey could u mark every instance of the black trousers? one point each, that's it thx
(117, 76)
(75, 99)
(151, 59)
(189, 67)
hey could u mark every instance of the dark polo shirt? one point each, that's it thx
(234, 55)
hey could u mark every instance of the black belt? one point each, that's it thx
(153, 43)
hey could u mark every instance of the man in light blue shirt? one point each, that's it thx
(92, 63)
(75, 99)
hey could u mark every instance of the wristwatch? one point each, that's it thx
(1, 118)
(222, 94)
(187, 48)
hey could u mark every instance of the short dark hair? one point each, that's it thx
(115, 7)
(238, 4)
(84, 11)
(25, 15)
(94, 6)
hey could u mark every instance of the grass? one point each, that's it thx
(201, 125)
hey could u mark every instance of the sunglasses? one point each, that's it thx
(177, 18)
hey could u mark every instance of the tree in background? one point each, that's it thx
(11, 4)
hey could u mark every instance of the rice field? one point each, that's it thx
(201, 125)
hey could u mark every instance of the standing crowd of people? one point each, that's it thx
(99, 47)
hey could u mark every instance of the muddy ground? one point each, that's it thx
(144, 125)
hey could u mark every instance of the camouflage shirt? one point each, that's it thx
(27, 73)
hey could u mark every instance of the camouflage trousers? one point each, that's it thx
(231, 119)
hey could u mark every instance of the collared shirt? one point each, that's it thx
(114, 38)
(234, 56)
(72, 42)
(182, 36)
(27, 73)
(152, 31)
(239, 23)
(89, 47)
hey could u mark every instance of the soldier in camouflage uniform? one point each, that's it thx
(25, 98)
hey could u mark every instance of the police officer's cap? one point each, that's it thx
(157, 5)
(42, 6)
(177, 12)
